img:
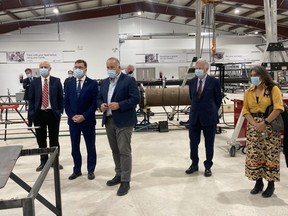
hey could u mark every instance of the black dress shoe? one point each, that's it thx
(91, 176)
(74, 175)
(40, 167)
(257, 188)
(208, 173)
(123, 189)
(192, 169)
(116, 180)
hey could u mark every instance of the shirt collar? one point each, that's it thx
(43, 78)
(204, 79)
(116, 78)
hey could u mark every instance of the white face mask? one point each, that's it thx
(78, 73)
(255, 80)
(44, 72)
(112, 73)
(199, 72)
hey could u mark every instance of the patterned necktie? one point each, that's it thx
(79, 88)
(200, 88)
(45, 94)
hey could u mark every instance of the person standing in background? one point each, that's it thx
(80, 106)
(45, 109)
(205, 93)
(117, 100)
(26, 86)
(70, 77)
(128, 70)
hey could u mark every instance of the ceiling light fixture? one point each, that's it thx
(236, 11)
(56, 11)
(256, 32)
(139, 13)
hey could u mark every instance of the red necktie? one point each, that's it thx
(45, 94)
(200, 88)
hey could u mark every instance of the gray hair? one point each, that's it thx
(203, 62)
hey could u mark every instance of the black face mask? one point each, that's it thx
(130, 72)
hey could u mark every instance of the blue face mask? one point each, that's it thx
(70, 75)
(112, 73)
(44, 72)
(255, 80)
(28, 75)
(78, 73)
(199, 72)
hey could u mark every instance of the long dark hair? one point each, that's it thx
(264, 76)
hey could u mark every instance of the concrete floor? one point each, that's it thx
(159, 185)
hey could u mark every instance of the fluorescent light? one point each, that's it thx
(139, 13)
(236, 11)
(256, 32)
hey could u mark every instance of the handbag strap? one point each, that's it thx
(270, 94)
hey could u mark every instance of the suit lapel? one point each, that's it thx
(207, 83)
(117, 84)
(85, 85)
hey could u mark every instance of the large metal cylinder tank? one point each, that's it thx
(167, 96)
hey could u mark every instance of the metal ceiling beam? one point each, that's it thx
(229, 9)
(219, 25)
(33, 12)
(12, 15)
(234, 27)
(283, 4)
(171, 10)
(189, 20)
(252, 11)
(16, 4)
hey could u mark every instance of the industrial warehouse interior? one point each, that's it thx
(163, 41)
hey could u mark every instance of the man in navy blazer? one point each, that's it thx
(205, 93)
(80, 106)
(117, 100)
(45, 109)
(26, 86)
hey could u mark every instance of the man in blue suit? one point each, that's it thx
(26, 86)
(45, 109)
(80, 106)
(117, 100)
(205, 93)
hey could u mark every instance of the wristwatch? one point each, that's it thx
(266, 122)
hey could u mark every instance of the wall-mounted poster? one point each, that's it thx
(14, 57)
(33, 57)
(151, 58)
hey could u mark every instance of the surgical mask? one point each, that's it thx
(112, 73)
(78, 73)
(199, 72)
(44, 72)
(70, 75)
(28, 75)
(255, 80)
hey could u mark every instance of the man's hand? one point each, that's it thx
(104, 107)
(78, 118)
(114, 106)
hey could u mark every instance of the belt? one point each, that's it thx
(46, 110)
(259, 114)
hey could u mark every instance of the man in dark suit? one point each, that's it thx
(117, 100)
(205, 93)
(45, 108)
(26, 86)
(70, 77)
(80, 106)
